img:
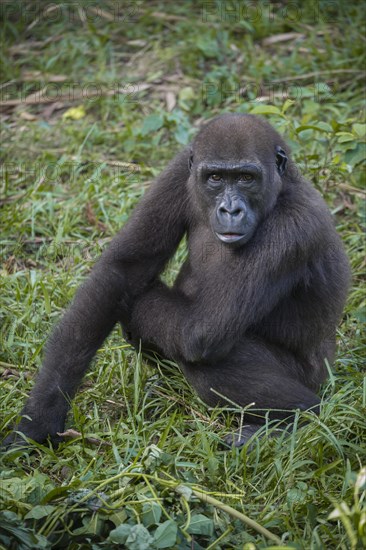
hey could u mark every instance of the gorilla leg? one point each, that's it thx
(256, 373)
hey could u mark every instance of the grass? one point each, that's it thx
(124, 87)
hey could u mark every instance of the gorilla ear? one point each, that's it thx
(190, 160)
(281, 159)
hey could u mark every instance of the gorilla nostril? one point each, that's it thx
(230, 211)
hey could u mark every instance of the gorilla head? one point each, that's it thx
(236, 174)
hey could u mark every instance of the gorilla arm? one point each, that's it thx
(246, 287)
(135, 257)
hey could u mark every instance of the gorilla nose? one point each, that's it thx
(231, 210)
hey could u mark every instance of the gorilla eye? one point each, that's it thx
(246, 177)
(214, 181)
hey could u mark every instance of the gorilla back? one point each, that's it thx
(252, 315)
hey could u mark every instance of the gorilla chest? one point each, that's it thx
(209, 262)
(208, 255)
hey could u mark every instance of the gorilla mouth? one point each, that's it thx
(229, 237)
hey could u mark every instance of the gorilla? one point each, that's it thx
(252, 315)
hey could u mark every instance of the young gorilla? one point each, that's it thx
(253, 313)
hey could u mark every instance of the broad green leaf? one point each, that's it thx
(57, 492)
(139, 538)
(133, 537)
(39, 511)
(344, 137)
(359, 129)
(266, 110)
(166, 534)
(92, 525)
(181, 134)
(324, 126)
(319, 127)
(200, 525)
(288, 103)
(151, 513)
(151, 124)
(119, 534)
(357, 155)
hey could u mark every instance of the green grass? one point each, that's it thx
(149, 450)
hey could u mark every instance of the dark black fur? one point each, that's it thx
(254, 310)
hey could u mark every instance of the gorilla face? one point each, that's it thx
(236, 180)
(234, 195)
